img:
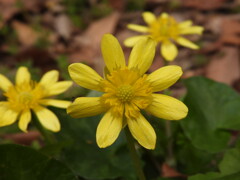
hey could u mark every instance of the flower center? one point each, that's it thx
(125, 93)
(24, 96)
(164, 28)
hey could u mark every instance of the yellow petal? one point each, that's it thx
(57, 88)
(185, 24)
(184, 42)
(85, 107)
(23, 75)
(8, 116)
(55, 103)
(47, 118)
(138, 28)
(130, 42)
(192, 30)
(4, 83)
(167, 107)
(85, 76)
(112, 53)
(149, 17)
(49, 78)
(169, 50)
(24, 120)
(164, 15)
(142, 131)
(164, 77)
(108, 129)
(142, 55)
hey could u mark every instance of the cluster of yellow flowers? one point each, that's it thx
(126, 88)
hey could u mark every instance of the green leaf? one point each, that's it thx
(213, 109)
(23, 163)
(229, 168)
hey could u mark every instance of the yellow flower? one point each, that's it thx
(127, 90)
(165, 29)
(27, 95)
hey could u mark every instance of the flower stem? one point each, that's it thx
(170, 157)
(46, 135)
(168, 130)
(135, 158)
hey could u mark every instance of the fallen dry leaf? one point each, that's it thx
(89, 41)
(26, 35)
(7, 10)
(203, 4)
(225, 68)
(98, 28)
(230, 31)
(167, 171)
(63, 26)
(23, 138)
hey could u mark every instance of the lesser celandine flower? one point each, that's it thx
(26, 95)
(165, 29)
(127, 90)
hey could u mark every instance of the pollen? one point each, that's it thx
(163, 28)
(23, 96)
(125, 93)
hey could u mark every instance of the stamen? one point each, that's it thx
(125, 93)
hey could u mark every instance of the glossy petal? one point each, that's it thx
(185, 24)
(49, 78)
(142, 131)
(164, 15)
(4, 83)
(85, 107)
(149, 17)
(138, 28)
(164, 77)
(47, 118)
(24, 120)
(55, 103)
(192, 30)
(167, 107)
(130, 42)
(85, 76)
(184, 42)
(57, 88)
(8, 116)
(112, 53)
(142, 55)
(108, 129)
(169, 50)
(23, 76)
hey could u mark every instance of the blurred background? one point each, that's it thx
(50, 34)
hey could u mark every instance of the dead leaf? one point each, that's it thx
(118, 5)
(98, 28)
(203, 4)
(89, 42)
(63, 26)
(26, 35)
(225, 68)
(23, 138)
(7, 10)
(167, 171)
(230, 32)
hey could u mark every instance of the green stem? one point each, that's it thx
(135, 158)
(170, 157)
(168, 129)
(47, 137)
